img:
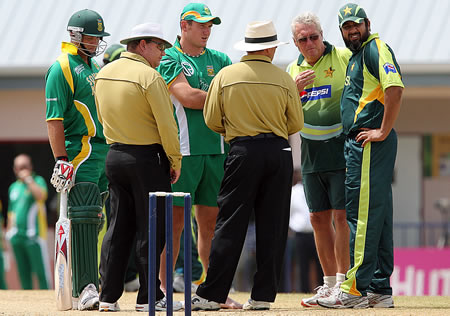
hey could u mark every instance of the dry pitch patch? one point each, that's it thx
(37, 303)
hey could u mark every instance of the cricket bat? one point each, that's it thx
(63, 268)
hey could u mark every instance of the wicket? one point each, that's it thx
(169, 252)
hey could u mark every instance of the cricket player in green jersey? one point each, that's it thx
(319, 73)
(27, 224)
(370, 104)
(79, 146)
(188, 69)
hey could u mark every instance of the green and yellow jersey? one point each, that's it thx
(370, 72)
(69, 93)
(322, 142)
(195, 137)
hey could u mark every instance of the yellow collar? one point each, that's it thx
(69, 48)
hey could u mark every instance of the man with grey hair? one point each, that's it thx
(319, 73)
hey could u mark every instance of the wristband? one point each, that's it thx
(28, 180)
(62, 158)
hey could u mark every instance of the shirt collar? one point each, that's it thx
(135, 57)
(69, 48)
(371, 37)
(256, 57)
(328, 49)
(177, 46)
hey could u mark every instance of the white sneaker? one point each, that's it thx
(132, 286)
(323, 291)
(178, 283)
(88, 298)
(194, 287)
(344, 300)
(108, 307)
(142, 308)
(160, 305)
(198, 303)
(256, 305)
(380, 300)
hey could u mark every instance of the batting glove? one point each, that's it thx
(63, 177)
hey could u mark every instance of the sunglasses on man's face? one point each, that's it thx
(312, 38)
(160, 45)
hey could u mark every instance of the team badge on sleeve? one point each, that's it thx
(188, 70)
(389, 68)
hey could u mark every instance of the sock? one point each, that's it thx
(329, 281)
(340, 277)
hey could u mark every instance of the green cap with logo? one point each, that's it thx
(87, 22)
(198, 12)
(351, 12)
(113, 53)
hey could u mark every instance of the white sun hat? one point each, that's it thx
(259, 35)
(146, 30)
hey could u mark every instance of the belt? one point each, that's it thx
(259, 136)
(124, 146)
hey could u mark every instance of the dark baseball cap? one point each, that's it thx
(351, 12)
(113, 53)
(198, 12)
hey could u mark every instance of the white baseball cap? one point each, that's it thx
(146, 30)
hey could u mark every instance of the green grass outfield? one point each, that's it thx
(37, 302)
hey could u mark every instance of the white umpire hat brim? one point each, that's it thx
(144, 31)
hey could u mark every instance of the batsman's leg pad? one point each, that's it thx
(85, 213)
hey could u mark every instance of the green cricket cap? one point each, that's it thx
(198, 12)
(113, 53)
(351, 12)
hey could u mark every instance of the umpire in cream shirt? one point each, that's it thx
(255, 105)
(135, 110)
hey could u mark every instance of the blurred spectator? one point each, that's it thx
(27, 224)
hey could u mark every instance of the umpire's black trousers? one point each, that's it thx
(258, 178)
(133, 171)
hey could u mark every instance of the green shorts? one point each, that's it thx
(325, 190)
(88, 159)
(201, 176)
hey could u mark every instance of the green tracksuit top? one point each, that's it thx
(370, 72)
